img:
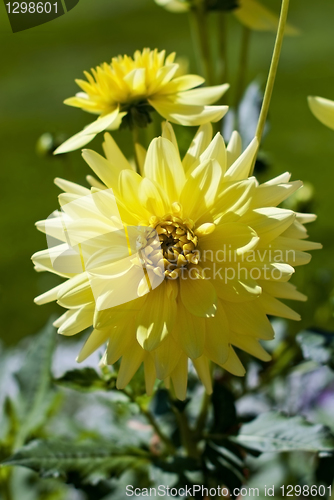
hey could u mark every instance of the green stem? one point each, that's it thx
(187, 435)
(272, 73)
(242, 69)
(202, 415)
(150, 418)
(5, 480)
(135, 140)
(198, 20)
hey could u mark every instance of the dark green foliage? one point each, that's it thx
(138, 115)
(223, 465)
(97, 462)
(225, 416)
(86, 380)
(91, 461)
(35, 383)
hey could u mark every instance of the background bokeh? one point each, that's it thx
(38, 68)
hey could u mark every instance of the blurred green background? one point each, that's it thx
(38, 68)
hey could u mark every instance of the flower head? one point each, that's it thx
(129, 89)
(184, 261)
(323, 109)
(250, 13)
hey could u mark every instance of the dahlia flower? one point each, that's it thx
(129, 89)
(183, 262)
(250, 13)
(323, 109)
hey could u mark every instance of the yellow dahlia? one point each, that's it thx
(250, 13)
(323, 109)
(129, 89)
(184, 261)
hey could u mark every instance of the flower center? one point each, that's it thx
(177, 242)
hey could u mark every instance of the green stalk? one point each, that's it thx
(135, 140)
(150, 418)
(198, 22)
(187, 435)
(202, 415)
(272, 72)
(5, 484)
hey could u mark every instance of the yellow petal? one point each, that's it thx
(228, 240)
(241, 167)
(152, 198)
(71, 187)
(102, 123)
(207, 177)
(156, 319)
(202, 96)
(48, 296)
(94, 341)
(233, 364)
(75, 142)
(131, 361)
(216, 150)
(150, 373)
(199, 144)
(233, 201)
(323, 109)
(250, 345)
(187, 114)
(267, 195)
(248, 318)
(128, 185)
(179, 377)
(182, 83)
(166, 357)
(135, 80)
(282, 290)
(164, 168)
(107, 172)
(198, 296)
(202, 366)
(234, 148)
(120, 339)
(76, 320)
(269, 222)
(168, 133)
(108, 318)
(217, 337)
(189, 331)
(76, 292)
(114, 155)
(274, 307)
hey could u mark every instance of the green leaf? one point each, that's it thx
(220, 462)
(34, 379)
(86, 380)
(225, 416)
(90, 461)
(177, 464)
(274, 432)
(318, 347)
